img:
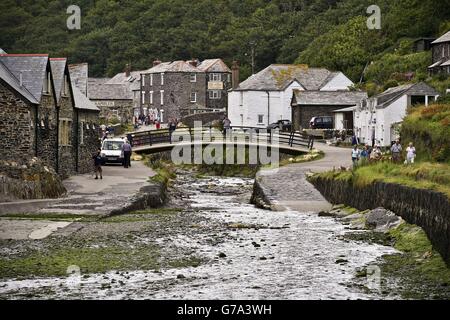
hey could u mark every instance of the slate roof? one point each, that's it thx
(277, 77)
(133, 81)
(79, 76)
(213, 65)
(175, 66)
(99, 89)
(337, 98)
(387, 97)
(58, 66)
(444, 38)
(32, 67)
(13, 82)
(82, 102)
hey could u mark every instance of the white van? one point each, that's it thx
(112, 150)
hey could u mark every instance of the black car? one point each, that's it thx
(323, 122)
(283, 125)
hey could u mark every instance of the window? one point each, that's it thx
(241, 98)
(82, 133)
(151, 79)
(64, 129)
(162, 96)
(214, 94)
(66, 86)
(143, 97)
(143, 80)
(151, 97)
(193, 97)
(193, 77)
(260, 119)
(162, 78)
(215, 77)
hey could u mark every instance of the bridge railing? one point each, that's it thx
(209, 134)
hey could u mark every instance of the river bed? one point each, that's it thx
(246, 253)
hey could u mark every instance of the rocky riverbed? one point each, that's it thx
(208, 243)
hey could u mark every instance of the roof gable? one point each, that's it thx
(444, 38)
(393, 94)
(14, 83)
(59, 69)
(213, 65)
(79, 76)
(31, 67)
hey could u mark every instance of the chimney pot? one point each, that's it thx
(193, 62)
(127, 70)
(156, 62)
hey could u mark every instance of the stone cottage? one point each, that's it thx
(40, 113)
(441, 55)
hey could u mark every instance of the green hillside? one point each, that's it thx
(329, 33)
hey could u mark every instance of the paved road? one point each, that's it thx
(86, 196)
(287, 188)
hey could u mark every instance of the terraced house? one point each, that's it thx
(180, 88)
(40, 114)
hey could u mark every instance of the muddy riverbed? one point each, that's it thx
(209, 243)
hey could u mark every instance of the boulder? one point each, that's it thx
(382, 220)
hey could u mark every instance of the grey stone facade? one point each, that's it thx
(17, 132)
(88, 133)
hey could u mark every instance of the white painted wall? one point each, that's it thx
(339, 82)
(339, 121)
(244, 107)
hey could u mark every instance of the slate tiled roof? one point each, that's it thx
(337, 98)
(213, 65)
(13, 82)
(82, 102)
(175, 66)
(277, 77)
(99, 89)
(444, 38)
(79, 76)
(133, 81)
(58, 66)
(31, 66)
(387, 97)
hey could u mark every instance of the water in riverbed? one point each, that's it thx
(266, 255)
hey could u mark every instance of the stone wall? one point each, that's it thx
(28, 180)
(16, 131)
(47, 133)
(221, 103)
(90, 140)
(112, 108)
(177, 93)
(426, 208)
(66, 152)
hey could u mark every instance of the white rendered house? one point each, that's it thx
(378, 119)
(265, 97)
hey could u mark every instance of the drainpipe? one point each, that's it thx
(268, 107)
(57, 140)
(77, 139)
(36, 131)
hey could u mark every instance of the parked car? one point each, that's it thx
(322, 122)
(111, 150)
(283, 125)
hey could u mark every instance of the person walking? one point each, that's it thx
(396, 150)
(355, 156)
(126, 149)
(98, 164)
(364, 155)
(226, 125)
(410, 153)
(172, 128)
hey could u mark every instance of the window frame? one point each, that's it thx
(193, 77)
(195, 97)
(260, 116)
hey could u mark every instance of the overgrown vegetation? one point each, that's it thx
(429, 129)
(321, 33)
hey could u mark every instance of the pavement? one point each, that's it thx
(287, 188)
(85, 196)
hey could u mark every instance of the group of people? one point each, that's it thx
(369, 154)
(147, 120)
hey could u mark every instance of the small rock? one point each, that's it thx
(256, 245)
(262, 258)
(181, 276)
(326, 214)
(341, 261)
(222, 255)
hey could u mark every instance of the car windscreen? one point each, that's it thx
(112, 145)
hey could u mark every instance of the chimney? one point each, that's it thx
(235, 74)
(156, 62)
(127, 70)
(193, 62)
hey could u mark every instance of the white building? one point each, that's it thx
(379, 118)
(265, 97)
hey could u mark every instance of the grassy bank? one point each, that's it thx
(425, 175)
(420, 271)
